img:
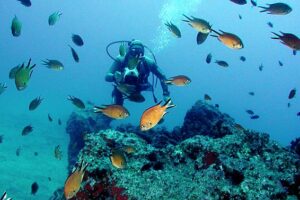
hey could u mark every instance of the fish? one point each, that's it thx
(59, 122)
(243, 58)
(251, 93)
(26, 130)
(1, 139)
(239, 127)
(18, 151)
(54, 17)
(113, 111)
(201, 37)
(292, 93)
(117, 159)
(13, 71)
(74, 54)
(180, 80)
(53, 64)
(261, 67)
(129, 149)
(76, 101)
(73, 182)
(240, 17)
(288, 39)
(239, 2)
(276, 9)
(250, 112)
(35, 103)
(298, 114)
(4, 197)
(50, 118)
(253, 2)
(280, 63)
(34, 188)
(208, 58)
(230, 40)
(3, 87)
(57, 152)
(23, 75)
(289, 105)
(126, 89)
(217, 105)
(154, 114)
(122, 49)
(16, 27)
(77, 40)
(173, 29)
(26, 3)
(254, 117)
(270, 24)
(222, 63)
(200, 25)
(207, 97)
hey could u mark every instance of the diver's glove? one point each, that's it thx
(118, 77)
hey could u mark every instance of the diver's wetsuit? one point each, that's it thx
(144, 68)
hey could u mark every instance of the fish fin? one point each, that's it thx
(30, 74)
(28, 63)
(222, 31)
(32, 66)
(83, 166)
(168, 104)
(98, 109)
(3, 196)
(215, 31)
(168, 82)
(214, 36)
(188, 18)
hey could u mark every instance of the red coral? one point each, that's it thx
(210, 158)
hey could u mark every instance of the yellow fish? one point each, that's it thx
(153, 115)
(113, 111)
(73, 182)
(118, 159)
(23, 75)
(228, 39)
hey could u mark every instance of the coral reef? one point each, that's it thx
(79, 124)
(209, 157)
(295, 146)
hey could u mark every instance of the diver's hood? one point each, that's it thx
(136, 48)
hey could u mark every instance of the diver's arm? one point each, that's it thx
(110, 75)
(162, 78)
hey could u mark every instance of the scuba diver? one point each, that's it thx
(130, 72)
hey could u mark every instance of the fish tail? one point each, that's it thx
(188, 19)
(3, 196)
(98, 109)
(32, 66)
(83, 166)
(265, 9)
(216, 32)
(169, 104)
(28, 64)
(168, 82)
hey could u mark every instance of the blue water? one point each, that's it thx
(100, 22)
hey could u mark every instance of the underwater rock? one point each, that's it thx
(295, 146)
(243, 165)
(80, 124)
(205, 119)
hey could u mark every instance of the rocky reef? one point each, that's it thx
(209, 157)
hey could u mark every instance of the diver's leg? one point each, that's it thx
(117, 97)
